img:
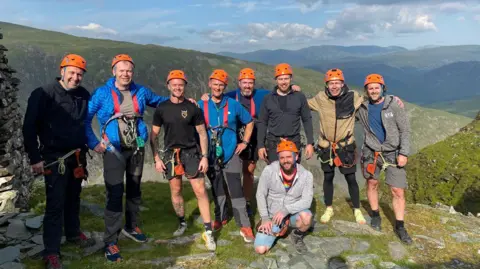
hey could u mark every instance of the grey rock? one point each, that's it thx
(354, 260)
(258, 264)
(12, 265)
(17, 230)
(71, 256)
(298, 262)
(283, 242)
(442, 207)
(368, 266)
(24, 216)
(444, 220)
(178, 241)
(9, 254)
(334, 246)
(337, 263)
(361, 246)
(346, 227)
(315, 261)
(4, 219)
(388, 265)
(452, 210)
(161, 261)
(440, 244)
(34, 223)
(34, 252)
(319, 227)
(397, 250)
(3, 230)
(142, 208)
(201, 246)
(95, 209)
(37, 239)
(197, 257)
(271, 263)
(460, 237)
(25, 246)
(140, 248)
(282, 256)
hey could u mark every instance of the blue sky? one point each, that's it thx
(240, 26)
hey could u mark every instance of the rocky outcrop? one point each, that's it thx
(15, 175)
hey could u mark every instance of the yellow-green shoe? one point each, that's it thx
(327, 215)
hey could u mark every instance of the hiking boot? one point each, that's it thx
(82, 241)
(136, 235)
(112, 253)
(53, 262)
(376, 223)
(182, 227)
(247, 234)
(359, 216)
(403, 235)
(210, 244)
(327, 215)
(297, 241)
(217, 225)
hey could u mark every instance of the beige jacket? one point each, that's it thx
(335, 128)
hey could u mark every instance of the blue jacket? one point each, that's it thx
(236, 113)
(258, 95)
(101, 104)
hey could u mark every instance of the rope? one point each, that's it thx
(61, 162)
(385, 164)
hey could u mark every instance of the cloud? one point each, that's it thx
(477, 18)
(285, 31)
(247, 6)
(461, 18)
(218, 36)
(94, 28)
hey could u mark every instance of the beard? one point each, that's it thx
(288, 171)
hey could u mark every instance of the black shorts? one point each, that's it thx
(347, 156)
(250, 153)
(190, 158)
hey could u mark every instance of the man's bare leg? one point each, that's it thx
(372, 194)
(178, 203)
(198, 185)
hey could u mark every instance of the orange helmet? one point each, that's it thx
(283, 69)
(220, 74)
(177, 74)
(334, 74)
(246, 73)
(74, 60)
(286, 145)
(374, 78)
(121, 57)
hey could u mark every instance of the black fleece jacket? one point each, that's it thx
(56, 116)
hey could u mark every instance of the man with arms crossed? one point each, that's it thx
(182, 119)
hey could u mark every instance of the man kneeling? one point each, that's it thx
(284, 195)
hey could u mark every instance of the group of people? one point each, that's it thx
(221, 136)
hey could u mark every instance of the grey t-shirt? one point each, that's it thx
(126, 107)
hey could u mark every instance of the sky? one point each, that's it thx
(242, 26)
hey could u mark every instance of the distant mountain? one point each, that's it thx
(312, 55)
(467, 107)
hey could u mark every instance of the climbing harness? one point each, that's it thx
(241, 131)
(78, 172)
(132, 139)
(281, 229)
(215, 147)
(371, 167)
(334, 158)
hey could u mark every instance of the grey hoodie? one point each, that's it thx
(272, 196)
(396, 124)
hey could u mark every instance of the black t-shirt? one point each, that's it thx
(179, 121)
(246, 103)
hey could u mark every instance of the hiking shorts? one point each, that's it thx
(267, 240)
(190, 158)
(394, 176)
(346, 155)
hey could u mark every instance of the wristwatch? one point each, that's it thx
(205, 156)
(245, 142)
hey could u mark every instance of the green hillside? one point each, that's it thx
(467, 107)
(448, 171)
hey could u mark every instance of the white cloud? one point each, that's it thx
(247, 6)
(94, 28)
(477, 18)
(219, 36)
(461, 18)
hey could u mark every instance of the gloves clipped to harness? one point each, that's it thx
(179, 169)
(79, 171)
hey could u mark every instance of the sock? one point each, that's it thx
(182, 220)
(298, 232)
(248, 203)
(376, 213)
(399, 224)
(208, 226)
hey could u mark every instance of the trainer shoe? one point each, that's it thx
(82, 241)
(52, 262)
(217, 225)
(247, 234)
(297, 241)
(210, 244)
(327, 215)
(112, 253)
(136, 235)
(359, 216)
(182, 227)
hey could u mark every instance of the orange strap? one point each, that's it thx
(116, 104)
(252, 106)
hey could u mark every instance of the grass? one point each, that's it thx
(159, 222)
